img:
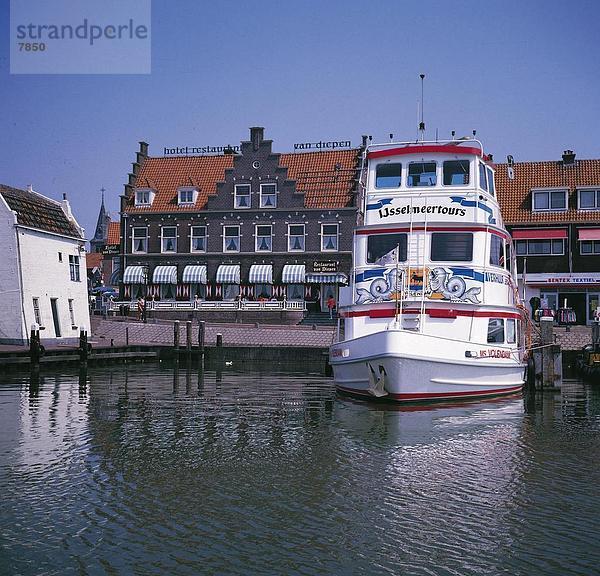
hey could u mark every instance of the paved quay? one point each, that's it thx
(239, 335)
(574, 339)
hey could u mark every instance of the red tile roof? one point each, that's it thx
(166, 175)
(514, 196)
(93, 260)
(114, 233)
(327, 178)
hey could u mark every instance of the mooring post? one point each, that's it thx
(219, 358)
(219, 340)
(551, 355)
(83, 346)
(34, 347)
(201, 336)
(188, 337)
(126, 335)
(176, 335)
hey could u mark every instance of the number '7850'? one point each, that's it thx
(32, 46)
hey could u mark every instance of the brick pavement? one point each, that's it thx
(245, 335)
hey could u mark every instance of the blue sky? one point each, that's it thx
(523, 74)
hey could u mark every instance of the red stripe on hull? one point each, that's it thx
(427, 396)
(391, 312)
(426, 149)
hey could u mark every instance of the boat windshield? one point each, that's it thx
(456, 172)
(385, 249)
(422, 174)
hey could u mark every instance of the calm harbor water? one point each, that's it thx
(143, 470)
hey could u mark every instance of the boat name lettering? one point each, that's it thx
(385, 212)
(494, 353)
(498, 278)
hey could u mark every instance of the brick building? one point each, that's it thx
(247, 226)
(552, 209)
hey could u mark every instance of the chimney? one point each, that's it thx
(256, 136)
(364, 140)
(144, 149)
(64, 195)
(568, 158)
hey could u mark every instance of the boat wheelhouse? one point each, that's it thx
(432, 311)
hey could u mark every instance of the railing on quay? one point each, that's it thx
(233, 305)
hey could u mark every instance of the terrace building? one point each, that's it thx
(552, 209)
(251, 229)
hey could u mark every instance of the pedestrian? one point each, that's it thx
(140, 308)
(331, 305)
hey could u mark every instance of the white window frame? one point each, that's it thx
(193, 236)
(163, 238)
(236, 196)
(256, 237)
(239, 239)
(549, 191)
(134, 237)
(289, 236)
(596, 190)
(527, 253)
(74, 271)
(71, 312)
(187, 190)
(37, 315)
(337, 237)
(274, 194)
(593, 243)
(144, 196)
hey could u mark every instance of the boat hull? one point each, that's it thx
(393, 365)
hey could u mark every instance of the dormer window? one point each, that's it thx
(549, 200)
(242, 196)
(588, 199)
(187, 196)
(268, 195)
(144, 197)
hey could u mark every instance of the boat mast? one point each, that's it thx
(422, 122)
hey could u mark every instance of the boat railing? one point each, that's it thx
(416, 143)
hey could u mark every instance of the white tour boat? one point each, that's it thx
(432, 311)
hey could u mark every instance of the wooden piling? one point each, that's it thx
(34, 348)
(551, 356)
(126, 335)
(188, 337)
(83, 347)
(176, 335)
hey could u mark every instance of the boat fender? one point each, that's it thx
(530, 380)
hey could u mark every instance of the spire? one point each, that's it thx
(101, 233)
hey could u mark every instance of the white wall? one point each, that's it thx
(45, 277)
(11, 316)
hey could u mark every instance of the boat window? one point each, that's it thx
(508, 257)
(497, 251)
(495, 331)
(381, 248)
(422, 174)
(482, 177)
(511, 331)
(452, 246)
(490, 181)
(456, 172)
(388, 175)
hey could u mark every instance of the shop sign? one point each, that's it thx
(327, 266)
(110, 250)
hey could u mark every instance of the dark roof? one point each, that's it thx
(37, 211)
(514, 196)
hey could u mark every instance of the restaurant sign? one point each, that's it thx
(110, 250)
(327, 266)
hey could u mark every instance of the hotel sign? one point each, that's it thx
(199, 150)
(110, 250)
(323, 145)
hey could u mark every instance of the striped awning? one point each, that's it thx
(165, 275)
(135, 275)
(194, 275)
(228, 274)
(260, 274)
(325, 278)
(293, 274)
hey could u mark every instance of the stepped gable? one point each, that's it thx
(37, 211)
(166, 175)
(327, 179)
(114, 233)
(514, 195)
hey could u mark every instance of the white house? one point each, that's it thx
(42, 271)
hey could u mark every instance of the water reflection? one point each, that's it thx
(179, 470)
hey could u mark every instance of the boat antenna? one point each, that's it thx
(422, 122)
(396, 287)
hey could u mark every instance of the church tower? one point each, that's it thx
(98, 242)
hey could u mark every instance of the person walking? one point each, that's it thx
(331, 305)
(140, 308)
